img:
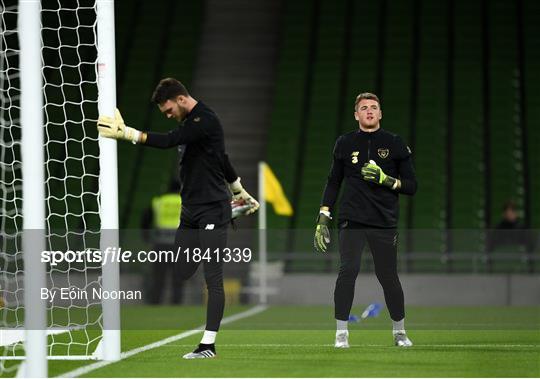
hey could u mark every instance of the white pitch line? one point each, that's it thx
(227, 320)
(10, 336)
(280, 345)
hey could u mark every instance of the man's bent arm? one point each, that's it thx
(228, 170)
(335, 177)
(183, 135)
(407, 177)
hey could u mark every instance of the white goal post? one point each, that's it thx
(58, 180)
(108, 177)
(32, 186)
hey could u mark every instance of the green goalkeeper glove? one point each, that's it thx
(239, 194)
(373, 173)
(116, 128)
(322, 234)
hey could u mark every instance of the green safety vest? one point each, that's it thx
(167, 209)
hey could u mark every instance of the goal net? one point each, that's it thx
(71, 154)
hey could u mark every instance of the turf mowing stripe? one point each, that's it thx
(227, 320)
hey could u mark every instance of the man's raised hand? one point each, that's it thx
(115, 128)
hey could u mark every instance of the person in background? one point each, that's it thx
(510, 232)
(159, 224)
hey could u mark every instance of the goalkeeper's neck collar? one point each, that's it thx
(369, 131)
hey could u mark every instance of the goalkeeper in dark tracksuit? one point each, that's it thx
(205, 171)
(375, 166)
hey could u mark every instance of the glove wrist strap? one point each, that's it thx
(326, 213)
(323, 218)
(390, 182)
(236, 186)
(132, 134)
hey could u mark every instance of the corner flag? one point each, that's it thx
(270, 190)
(273, 192)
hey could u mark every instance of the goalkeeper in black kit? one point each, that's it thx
(205, 174)
(375, 166)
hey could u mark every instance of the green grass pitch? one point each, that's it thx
(298, 342)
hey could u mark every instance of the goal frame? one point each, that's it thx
(32, 122)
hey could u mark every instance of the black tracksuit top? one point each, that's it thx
(204, 165)
(364, 202)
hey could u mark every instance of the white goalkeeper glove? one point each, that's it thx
(239, 208)
(239, 194)
(116, 128)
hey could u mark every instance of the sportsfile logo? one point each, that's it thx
(118, 255)
(111, 254)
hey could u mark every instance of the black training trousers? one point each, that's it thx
(202, 230)
(160, 270)
(383, 244)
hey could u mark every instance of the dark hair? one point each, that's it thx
(168, 89)
(366, 96)
(509, 204)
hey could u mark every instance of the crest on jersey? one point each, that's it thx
(354, 157)
(197, 119)
(383, 153)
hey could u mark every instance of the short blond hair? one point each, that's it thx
(366, 96)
